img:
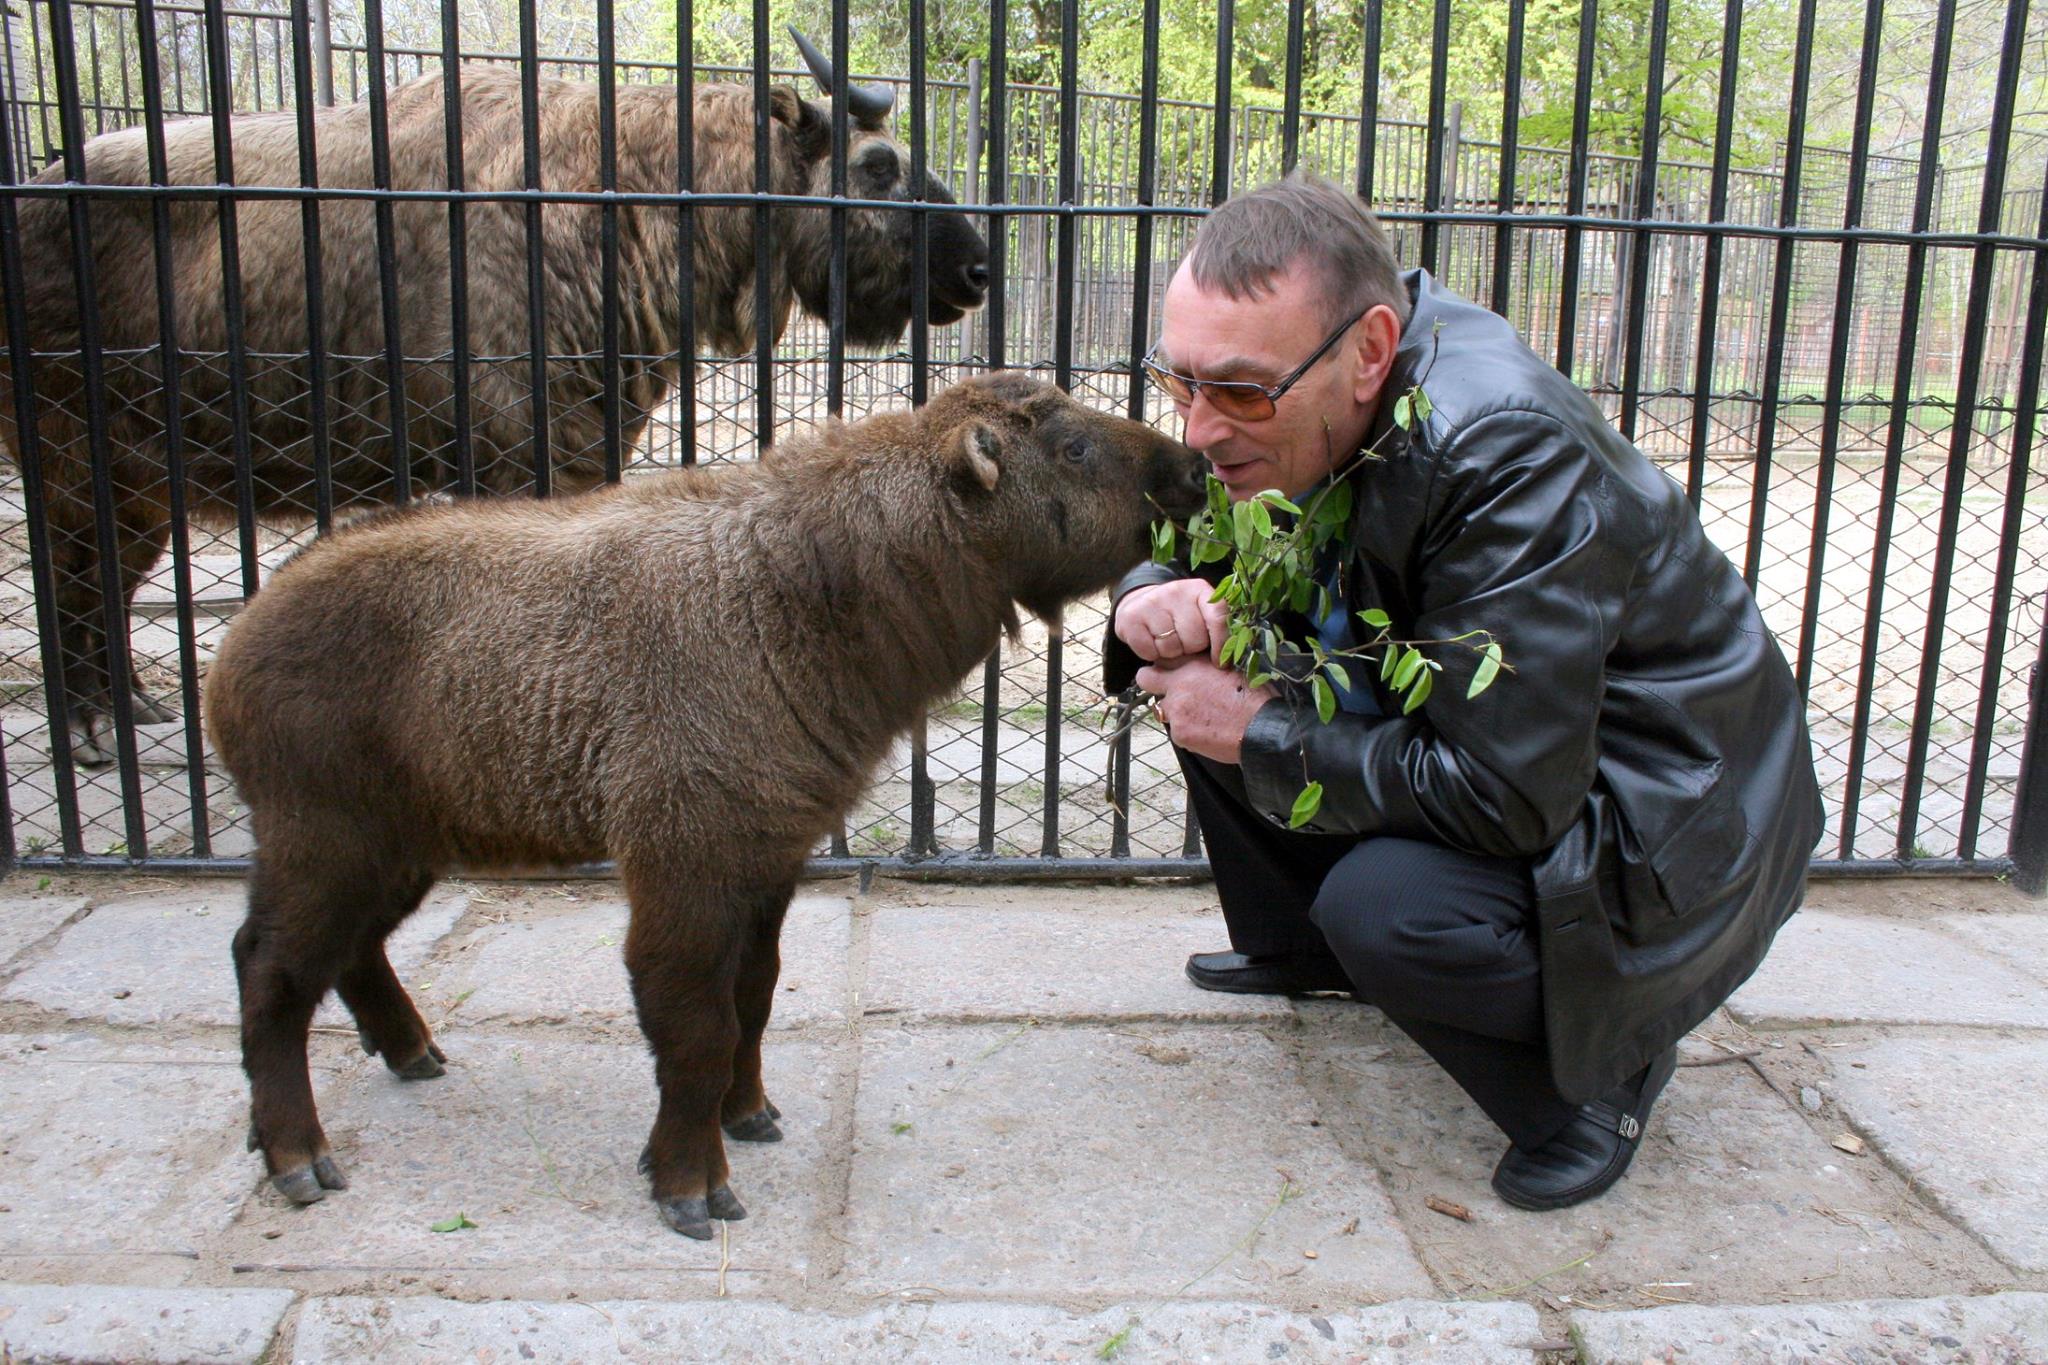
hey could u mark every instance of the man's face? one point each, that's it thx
(1319, 422)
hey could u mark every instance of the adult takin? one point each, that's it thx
(340, 441)
(694, 675)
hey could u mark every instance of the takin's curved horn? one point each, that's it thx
(867, 103)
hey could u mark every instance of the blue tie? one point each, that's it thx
(1337, 631)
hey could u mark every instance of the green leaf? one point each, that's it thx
(1268, 587)
(455, 1224)
(1207, 551)
(1420, 692)
(1387, 661)
(1244, 530)
(1403, 410)
(1162, 542)
(1335, 508)
(1262, 517)
(1219, 498)
(1258, 679)
(1303, 590)
(1338, 673)
(1326, 699)
(1488, 670)
(1410, 665)
(1322, 602)
(1306, 805)
(1273, 497)
(1376, 618)
(1229, 590)
(1422, 407)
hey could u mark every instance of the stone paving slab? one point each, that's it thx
(110, 1147)
(27, 920)
(1732, 1196)
(566, 965)
(536, 1142)
(1997, 1329)
(977, 961)
(167, 959)
(1074, 1161)
(2018, 939)
(91, 1323)
(1965, 1122)
(1867, 969)
(423, 1331)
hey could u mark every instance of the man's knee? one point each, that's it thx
(1407, 912)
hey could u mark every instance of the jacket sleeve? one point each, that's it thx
(1119, 664)
(1515, 541)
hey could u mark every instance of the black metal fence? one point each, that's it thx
(1839, 354)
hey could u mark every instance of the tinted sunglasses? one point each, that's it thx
(1241, 399)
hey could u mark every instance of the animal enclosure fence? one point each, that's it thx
(1839, 355)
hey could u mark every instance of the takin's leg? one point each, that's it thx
(387, 1022)
(144, 532)
(747, 1113)
(306, 915)
(81, 619)
(683, 948)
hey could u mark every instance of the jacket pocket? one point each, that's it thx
(1699, 860)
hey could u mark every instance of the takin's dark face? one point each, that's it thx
(880, 246)
(1065, 495)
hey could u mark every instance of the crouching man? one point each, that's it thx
(1545, 885)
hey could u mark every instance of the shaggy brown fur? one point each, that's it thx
(695, 676)
(499, 391)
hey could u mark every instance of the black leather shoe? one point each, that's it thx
(1593, 1150)
(1241, 975)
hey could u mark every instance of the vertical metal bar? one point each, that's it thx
(1219, 154)
(542, 448)
(1838, 353)
(764, 243)
(1710, 287)
(1575, 194)
(1063, 366)
(835, 324)
(1510, 134)
(2028, 401)
(35, 504)
(1368, 140)
(1433, 150)
(174, 428)
(458, 250)
(1786, 253)
(323, 49)
(608, 237)
(1963, 427)
(387, 260)
(998, 192)
(219, 100)
(1895, 438)
(114, 611)
(686, 236)
(1290, 112)
(923, 793)
(2030, 799)
(1640, 240)
(1141, 330)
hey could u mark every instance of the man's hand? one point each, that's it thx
(1171, 621)
(1207, 708)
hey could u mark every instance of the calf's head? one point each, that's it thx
(880, 243)
(1061, 497)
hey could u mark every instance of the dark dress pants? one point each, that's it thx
(1442, 941)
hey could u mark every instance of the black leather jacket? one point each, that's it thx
(1648, 753)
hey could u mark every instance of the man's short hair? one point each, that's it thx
(1249, 240)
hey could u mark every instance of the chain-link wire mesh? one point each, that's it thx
(1872, 469)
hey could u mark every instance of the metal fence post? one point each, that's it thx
(2030, 801)
(323, 51)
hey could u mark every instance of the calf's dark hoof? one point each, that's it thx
(310, 1184)
(424, 1067)
(723, 1203)
(755, 1127)
(689, 1215)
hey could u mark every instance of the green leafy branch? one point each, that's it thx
(1273, 546)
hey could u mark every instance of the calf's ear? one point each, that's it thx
(804, 119)
(979, 455)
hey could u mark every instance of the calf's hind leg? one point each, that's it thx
(386, 1019)
(306, 916)
(682, 951)
(747, 1113)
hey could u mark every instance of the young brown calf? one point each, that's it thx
(695, 676)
